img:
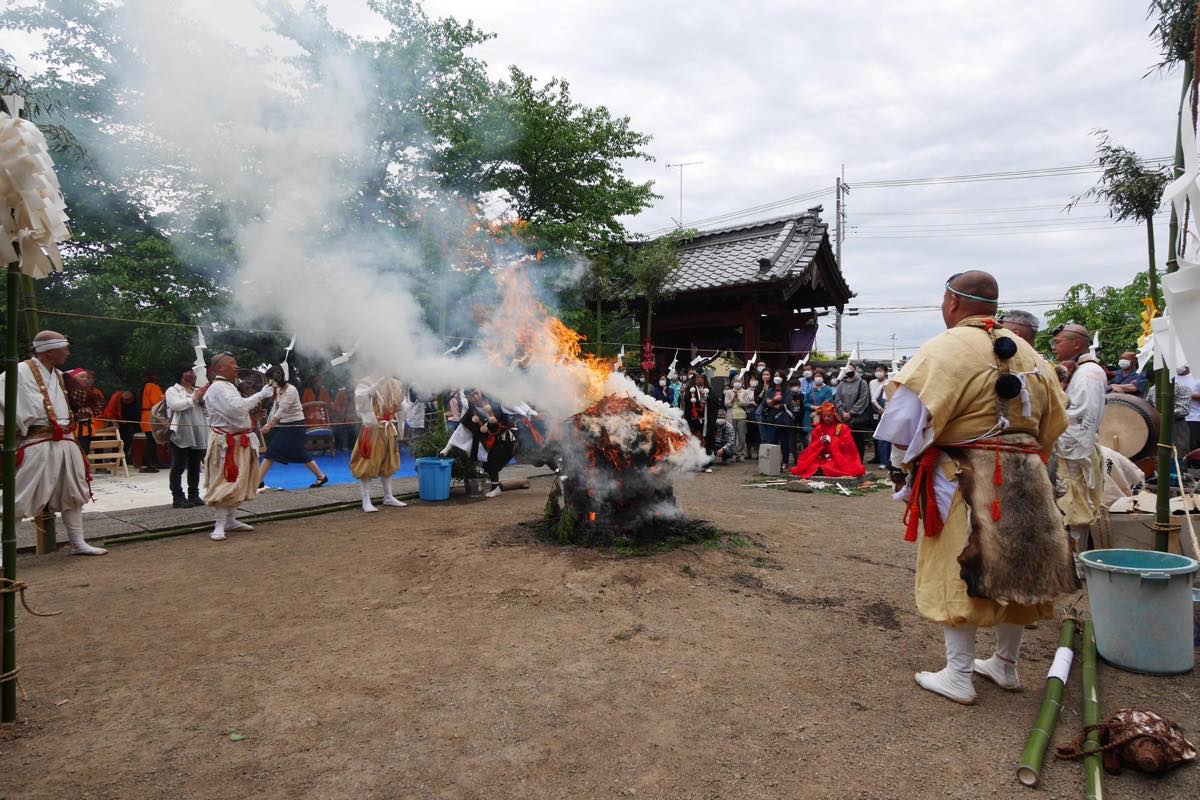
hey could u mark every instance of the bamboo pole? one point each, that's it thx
(29, 300)
(1034, 753)
(8, 535)
(1164, 392)
(1091, 716)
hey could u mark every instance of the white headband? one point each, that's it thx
(50, 344)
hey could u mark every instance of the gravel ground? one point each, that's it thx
(440, 651)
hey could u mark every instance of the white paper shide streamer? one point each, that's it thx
(1176, 339)
(199, 367)
(283, 365)
(34, 213)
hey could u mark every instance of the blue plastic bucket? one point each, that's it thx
(1141, 603)
(433, 478)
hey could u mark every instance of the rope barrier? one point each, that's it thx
(451, 338)
(18, 587)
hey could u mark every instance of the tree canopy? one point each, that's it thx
(1112, 310)
(447, 142)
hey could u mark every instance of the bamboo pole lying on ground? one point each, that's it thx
(1091, 716)
(1043, 726)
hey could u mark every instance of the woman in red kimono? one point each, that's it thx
(831, 451)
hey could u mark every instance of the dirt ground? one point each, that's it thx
(439, 651)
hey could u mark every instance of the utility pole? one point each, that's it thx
(893, 348)
(840, 216)
(680, 167)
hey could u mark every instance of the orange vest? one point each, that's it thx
(151, 394)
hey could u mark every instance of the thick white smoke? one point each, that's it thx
(284, 158)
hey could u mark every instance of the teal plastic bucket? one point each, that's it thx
(433, 478)
(1141, 604)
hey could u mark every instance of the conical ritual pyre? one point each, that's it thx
(620, 457)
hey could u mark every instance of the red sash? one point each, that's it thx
(233, 439)
(364, 438)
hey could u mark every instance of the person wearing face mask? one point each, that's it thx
(1127, 379)
(806, 381)
(853, 400)
(775, 419)
(796, 408)
(766, 434)
(661, 391)
(883, 448)
(735, 412)
(749, 402)
(821, 394)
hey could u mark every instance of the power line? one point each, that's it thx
(732, 215)
(989, 224)
(1059, 206)
(1014, 232)
(1043, 172)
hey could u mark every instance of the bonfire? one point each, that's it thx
(620, 458)
(620, 453)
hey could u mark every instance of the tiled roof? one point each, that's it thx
(756, 253)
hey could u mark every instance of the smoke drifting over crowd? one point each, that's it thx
(284, 153)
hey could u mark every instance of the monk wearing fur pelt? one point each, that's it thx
(973, 418)
(375, 454)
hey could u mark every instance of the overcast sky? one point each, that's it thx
(774, 97)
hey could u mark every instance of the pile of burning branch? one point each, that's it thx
(620, 457)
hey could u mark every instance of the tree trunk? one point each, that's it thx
(599, 319)
(649, 318)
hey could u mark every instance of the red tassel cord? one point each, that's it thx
(922, 490)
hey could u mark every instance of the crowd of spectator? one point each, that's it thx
(764, 406)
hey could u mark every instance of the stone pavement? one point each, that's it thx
(99, 525)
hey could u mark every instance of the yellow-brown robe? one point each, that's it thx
(954, 377)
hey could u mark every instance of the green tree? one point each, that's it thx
(1111, 310)
(562, 169)
(1132, 190)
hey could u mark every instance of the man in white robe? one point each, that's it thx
(1080, 466)
(51, 472)
(231, 464)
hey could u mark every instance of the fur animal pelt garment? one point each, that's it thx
(1025, 556)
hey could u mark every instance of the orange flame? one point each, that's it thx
(530, 335)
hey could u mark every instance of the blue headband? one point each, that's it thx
(988, 300)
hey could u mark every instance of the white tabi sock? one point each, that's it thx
(232, 523)
(388, 498)
(73, 520)
(367, 505)
(954, 680)
(218, 531)
(1001, 668)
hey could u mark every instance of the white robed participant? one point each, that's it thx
(51, 471)
(231, 464)
(1080, 462)
(378, 403)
